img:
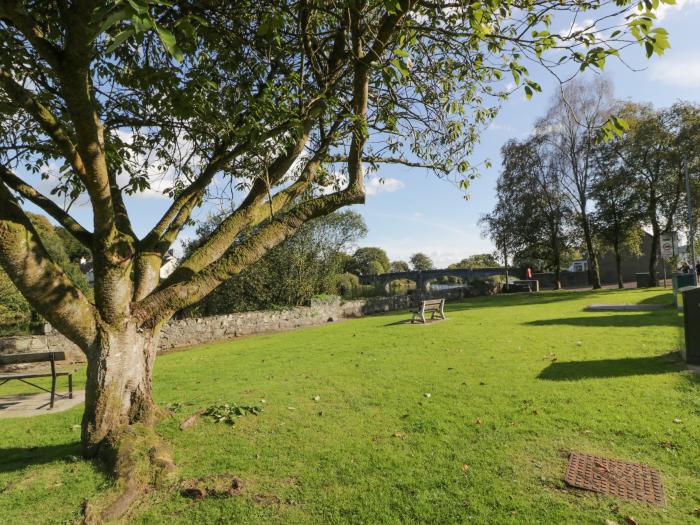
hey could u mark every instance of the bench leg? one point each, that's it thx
(422, 317)
(53, 389)
(70, 386)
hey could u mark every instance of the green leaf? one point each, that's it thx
(170, 42)
(119, 39)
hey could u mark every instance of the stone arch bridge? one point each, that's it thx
(423, 278)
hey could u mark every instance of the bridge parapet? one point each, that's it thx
(422, 278)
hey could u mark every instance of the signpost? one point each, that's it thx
(668, 245)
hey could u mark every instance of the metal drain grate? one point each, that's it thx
(616, 478)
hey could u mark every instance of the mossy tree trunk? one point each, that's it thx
(118, 389)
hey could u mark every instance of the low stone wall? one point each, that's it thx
(189, 332)
(31, 344)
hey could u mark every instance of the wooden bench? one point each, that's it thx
(51, 357)
(431, 306)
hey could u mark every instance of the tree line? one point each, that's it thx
(565, 190)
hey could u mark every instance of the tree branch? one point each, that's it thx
(31, 194)
(162, 303)
(390, 160)
(43, 283)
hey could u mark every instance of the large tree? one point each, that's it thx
(619, 205)
(654, 153)
(248, 101)
(531, 183)
(572, 129)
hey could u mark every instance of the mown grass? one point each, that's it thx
(515, 383)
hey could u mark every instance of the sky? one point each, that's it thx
(416, 212)
(413, 211)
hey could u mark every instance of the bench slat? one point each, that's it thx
(16, 359)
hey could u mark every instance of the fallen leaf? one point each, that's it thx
(478, 421)
(465, 467)
(631, 521)
(399, 435)
(187, 423)
(291, 408)
(678, 420)
(427, 394)
(611, 522)
(316, 398)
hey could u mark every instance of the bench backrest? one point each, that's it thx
(432, 304)
(16, 359)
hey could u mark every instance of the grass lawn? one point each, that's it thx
(514, 384)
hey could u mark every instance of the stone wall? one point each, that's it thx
(31, 344)
(189, 332)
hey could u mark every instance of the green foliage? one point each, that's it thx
(481, 260)
(420, 261)
(229, 413)
(369, 260)
(399, 266)
(346, 283)
(305, 265)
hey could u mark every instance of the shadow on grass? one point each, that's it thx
(607, 368)
(17, 458)
(602, 320)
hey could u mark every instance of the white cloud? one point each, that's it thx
(587, 26)
(683, 72)
(377, 185)
(664, 9)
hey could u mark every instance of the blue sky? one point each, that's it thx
(414, 211)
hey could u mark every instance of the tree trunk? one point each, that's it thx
(556, 250)
(118, 390)
(618, 265)
(593, 271)
(655, 239)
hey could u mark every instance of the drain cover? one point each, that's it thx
(616, 478)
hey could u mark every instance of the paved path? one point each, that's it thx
(28, 405)
(625, 307)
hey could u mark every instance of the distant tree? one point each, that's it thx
(481, 260)
(654, 151)
(502, 225)
(369, 260)
(399, 266)
(532, 182)
(420, 261)
(308, 263)
(620, 208)
(572, 129)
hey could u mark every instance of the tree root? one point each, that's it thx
(216, 486)
(139, 460)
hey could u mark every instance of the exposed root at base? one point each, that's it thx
(139, 460)
(216, 486)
